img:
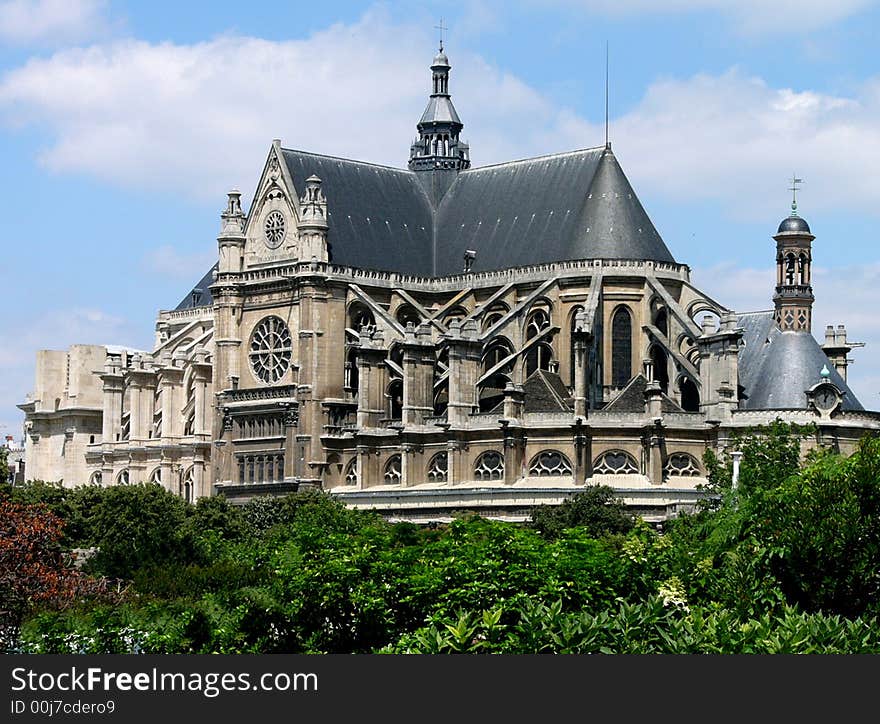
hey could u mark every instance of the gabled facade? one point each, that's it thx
(444, 337)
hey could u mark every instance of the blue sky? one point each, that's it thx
(122, 125)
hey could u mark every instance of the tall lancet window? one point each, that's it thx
(621, 347)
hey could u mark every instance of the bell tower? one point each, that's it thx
(794, 257)
(438, 154)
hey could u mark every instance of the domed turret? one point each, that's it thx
(794, 224)
(794, 259)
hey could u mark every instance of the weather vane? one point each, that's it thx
(794, 189)
(441, 28)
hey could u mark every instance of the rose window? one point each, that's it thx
(274, 227)
(270, 350)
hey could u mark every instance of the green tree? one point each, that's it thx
(136, 526)
(597, 510)
(822, 528)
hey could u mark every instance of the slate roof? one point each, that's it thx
(200, 294)
(776, 368)
(546, 392)
(565, 206)
(632, 398)
(575, 205)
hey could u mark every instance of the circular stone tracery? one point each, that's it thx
(270, 350)
(275, 228)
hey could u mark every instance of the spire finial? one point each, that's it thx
(607, 142)
(441, 28)
(794, 189)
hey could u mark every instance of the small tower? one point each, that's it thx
(439, 150)
(794, 294)
(313, 223)
(231, 239)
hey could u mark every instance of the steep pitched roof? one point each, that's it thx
(632, 398)
(576, 205)
(378, 217)
(200, 294)
(776, 367)
(546, 392)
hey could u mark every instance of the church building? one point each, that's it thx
(444, 338)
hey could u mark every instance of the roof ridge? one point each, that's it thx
(534, 158)
(348, 160)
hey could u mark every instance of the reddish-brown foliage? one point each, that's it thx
(33, 567)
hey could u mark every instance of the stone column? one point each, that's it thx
(170, 381)
(514, 451)
(458, 469)
(291, 424)
(113, 388)
(418, 375)
(202, 374)
(581, 339)
(654, 442)
(464, 363)
(371, 374)
(719, 371)
(583, 462)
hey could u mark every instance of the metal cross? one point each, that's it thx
(794, 189)
(441, 28)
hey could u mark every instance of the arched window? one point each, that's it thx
(661, 321)
(489, 466)
(621, 347)
(187, 485)
(550, 463)
(615, 462)
(681, 465)
(539, 358)
(351, 381)
(156, 476)
(360, 316)
(454, 314)
(494, 315)
(351, 472)
(406, 313)
(123, 478)
(438, 468)
(491, 391)
(789, 269)
(803, 269)
(441, 398)
(96, 478)
(393, 473)
(157, 414)
(537, 322)
(395, 399)
(660, 363)
(690, 395)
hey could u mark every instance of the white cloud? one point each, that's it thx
(780, 17)
(42, 21)
(733, 139)
(844, 295)
(198, 119)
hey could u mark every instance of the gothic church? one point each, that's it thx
(443, 338)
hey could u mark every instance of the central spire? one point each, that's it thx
(438, 146)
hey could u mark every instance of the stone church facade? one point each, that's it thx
(442, 338)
